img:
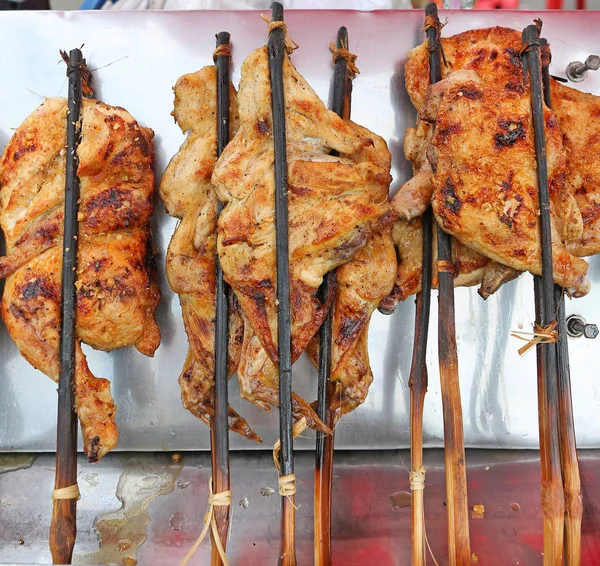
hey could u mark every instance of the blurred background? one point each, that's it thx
(293, 4)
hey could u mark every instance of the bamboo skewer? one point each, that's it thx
(552, 489)
(219, 430)
(418, 388)
(568, 444)
(63, 527)
(456, 474)
(342, 86)
(287, 484)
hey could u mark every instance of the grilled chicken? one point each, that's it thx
(577, 115)
(187, 193)
(481, 197)
(362, 283)
(483, 126)
(335, 203)
(116, 296)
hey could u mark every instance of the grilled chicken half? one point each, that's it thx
(481, 113)
(116, 296)
(188, 194)
(335, 203)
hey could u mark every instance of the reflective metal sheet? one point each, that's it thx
(139, 56)
(164, 506)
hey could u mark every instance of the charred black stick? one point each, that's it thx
(568, 444)
(342, 86)
(456, 472)
(277, 54)
(63, 528)
(219, 430)
(552, 489)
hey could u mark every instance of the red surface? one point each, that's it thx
(366, 530)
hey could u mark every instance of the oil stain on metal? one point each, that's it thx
(122, 532)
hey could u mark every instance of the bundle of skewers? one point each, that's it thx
(489, 156)
(286, 245)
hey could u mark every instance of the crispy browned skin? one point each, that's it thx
(578, 115)
(116, 297)
(483, 120)
(493, 53)
(187, 193)
(334, 204)
(480, 194)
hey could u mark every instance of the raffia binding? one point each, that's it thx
(434, 22)
(290, 44)
(444, 266)
(222, 499)
(287, 484)
(350, 58)
(417, 479)
(71, 492)
(223, 50)
(86, 75)
(541, 335)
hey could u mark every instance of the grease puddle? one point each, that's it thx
(16, 461)
(122, 532)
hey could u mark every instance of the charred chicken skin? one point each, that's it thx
(482, 118)
(116, 296)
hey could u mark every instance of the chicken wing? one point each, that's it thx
(116, 295)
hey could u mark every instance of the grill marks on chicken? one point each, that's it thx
(116, 296)
(335, 203)
(187, 193)
(487, 202)
(481, 112)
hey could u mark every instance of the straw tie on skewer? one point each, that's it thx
(290, 44)
(222, 499)
(417, 483)
(350, 58)
(417, 479)
(287, 484)
(70, 492)
(541, 335)
(223, 50)
(434, 22)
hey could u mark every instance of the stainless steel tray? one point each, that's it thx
(139, 56)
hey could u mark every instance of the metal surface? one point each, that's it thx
(139, 57)
(159, 508)
(577, 71)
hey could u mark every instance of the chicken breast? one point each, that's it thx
(116, 295)
(483, 198)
